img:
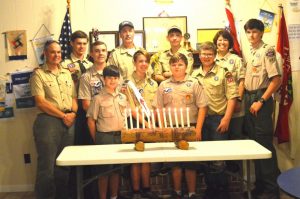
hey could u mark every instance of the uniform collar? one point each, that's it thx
(126, 50)
(223, 58)
(114, 94)
(257, 47)
(213, 70)
(75, 59)
(95, 72)
(186, 78)
(180, 50)
(45, 67)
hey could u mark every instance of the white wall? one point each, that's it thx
(16, 134)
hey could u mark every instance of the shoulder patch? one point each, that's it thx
(71, 65)
(270, 52)
(167, 90)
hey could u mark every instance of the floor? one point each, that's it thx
(30, 195)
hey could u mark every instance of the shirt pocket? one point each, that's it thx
(107, 109)
(51, 88)
(216, 88)
(168, 97)
(256, 69)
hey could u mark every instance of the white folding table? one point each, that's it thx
(161, 152)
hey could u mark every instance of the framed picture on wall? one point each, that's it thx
(204, 35)
(110, 38)
(156, 31)
(139, 38)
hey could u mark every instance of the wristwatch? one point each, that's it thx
(262, 100)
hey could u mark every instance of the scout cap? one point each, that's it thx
(125, 23)
(174, 29)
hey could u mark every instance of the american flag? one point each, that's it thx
(65, 36)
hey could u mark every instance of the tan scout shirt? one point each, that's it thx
(123, 59)
(218, 88)
(108, 110)
(91, 82)
(233, 64)
(185, 94)
(72, 64)
(261, 65)
(160, 61)
(146, 86)
(58, 88)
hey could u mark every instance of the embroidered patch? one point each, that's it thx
(167, 90)
(188, 97)
(229, 79)
(71, 65)
(254, 69)
(270, 53)
(141, 91)
(216, 78)
(231, 61)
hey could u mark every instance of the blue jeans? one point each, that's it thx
(51, 136)
(215, 176)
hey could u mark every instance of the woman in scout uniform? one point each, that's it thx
(183, 91)
(55, 96)
(147, 87)
(232, 63)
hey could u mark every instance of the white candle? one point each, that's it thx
(143, 119)
(137, 118)
(158, 117)
(170, 118)
(181, 118)
(149, 122)
(176, 119)
(188, 117)
(130, 117)
(125, 113)
(153, 119)
(165, 118)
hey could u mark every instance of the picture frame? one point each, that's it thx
(267, 18)
(139, 38)
(204, 35)
(110, 38)
(156, 29)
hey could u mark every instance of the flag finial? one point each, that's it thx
(69, 3)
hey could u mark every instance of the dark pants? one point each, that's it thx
(51, 136)
(260, 129)
(215, 176)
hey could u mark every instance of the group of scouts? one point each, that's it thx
(225, 96)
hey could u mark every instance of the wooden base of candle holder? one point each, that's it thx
(180, 136)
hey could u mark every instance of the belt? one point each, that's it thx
(114, 133)
(255, 91)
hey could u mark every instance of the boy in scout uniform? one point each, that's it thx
(261, 81)
(77, 63)
(107, 108)
(221, 90)
(183, 91)
(122, 55)
(53, 129)
(160, 60)
(147, 87)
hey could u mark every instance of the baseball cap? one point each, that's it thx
(174, 28)
(125, 23)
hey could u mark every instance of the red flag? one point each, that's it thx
(232, 29)
(286, 90)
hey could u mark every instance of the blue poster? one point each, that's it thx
(21, 89)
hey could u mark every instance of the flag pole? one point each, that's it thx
(69, 6)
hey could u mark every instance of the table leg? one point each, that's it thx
(79, 180)
(248, 179)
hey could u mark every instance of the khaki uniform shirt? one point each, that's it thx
(219, 87)
(123, 59)
(72, 64)
(160, 61)
(234, 64)
(261, 65)
(108, 110)
(146, 86)
(91, 82)
(184, 94)
(58, 88)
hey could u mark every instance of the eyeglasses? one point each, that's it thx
(207, 55)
